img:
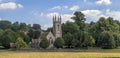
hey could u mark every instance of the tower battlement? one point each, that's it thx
(57, 19)
(57, 26)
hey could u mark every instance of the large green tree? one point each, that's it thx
(68, 40)
(44, 43)
(117, 39)
(103, 24)
(59, 43)
(36, 27)
(5, 24)
(8, 37)
(79, 19)
(107, 40)
(15, 26)
(70, 27)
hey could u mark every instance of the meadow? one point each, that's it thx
(112, 53)
(57, 55)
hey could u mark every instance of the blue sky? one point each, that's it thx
(41, 11)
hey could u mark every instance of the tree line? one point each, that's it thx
(105, 33)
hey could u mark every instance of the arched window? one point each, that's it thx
(58, 27)
(51, 40)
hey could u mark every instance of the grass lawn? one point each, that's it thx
(112, 53)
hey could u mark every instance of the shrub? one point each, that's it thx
(59, 43)
(20, 43)
(44, 43)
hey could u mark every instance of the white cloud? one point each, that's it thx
(65, 17)
(59, 7)
(20, 6)
(103, 2)
(74, 8)
(0, 18)
(10, 5)
(94, 15)
(114, 14)
(50, 15)
(56, 7)
(46, 26)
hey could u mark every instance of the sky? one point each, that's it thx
(42, 11)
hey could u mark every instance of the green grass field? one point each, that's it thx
(110, 53)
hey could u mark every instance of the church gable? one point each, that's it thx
(49, 36)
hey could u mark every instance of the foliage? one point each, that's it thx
(103, 33)
(7, 37)
(15, 26)
(36, 27)
(107, 40)
(34, 34)
(5, 24)
(23, 27)
(20, 43)
(59, 43)
(44, 43)
(70, 26)
(68, 40)
(117, 39)
(25, 37)
(79, 19)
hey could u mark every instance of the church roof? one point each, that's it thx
(44, 35)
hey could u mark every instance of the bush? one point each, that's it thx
(59, 43)
(117, 39)
(20, 43)
(107, 40)
(44, 43)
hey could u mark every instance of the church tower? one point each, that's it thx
(57, 26)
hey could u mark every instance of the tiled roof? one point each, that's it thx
(43, 35)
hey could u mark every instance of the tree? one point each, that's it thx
(75, 43)
(36, 27)
(104, 24)
(31, 33)
(26, 38)
(15, 26)
(23, 27)
(1, 32)
(117, 39)
(4, 24)
(20, 43)
(8, 37)
(44, 43)
(79, 20)
(66, 28)
(68, 40)
(86, 40)
(49, 29)
(107, 40)
(59, 43)
(36, 34)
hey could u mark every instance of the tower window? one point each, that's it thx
(58, 27)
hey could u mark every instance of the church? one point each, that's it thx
(50, 36)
